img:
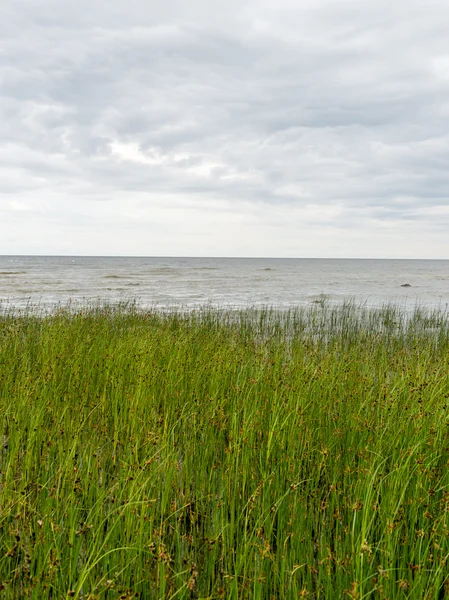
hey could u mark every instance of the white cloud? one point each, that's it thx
(231, 128)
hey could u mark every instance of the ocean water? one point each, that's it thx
(49, 281)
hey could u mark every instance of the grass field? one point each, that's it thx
(254, 454)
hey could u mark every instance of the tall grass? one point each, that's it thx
(212, 454)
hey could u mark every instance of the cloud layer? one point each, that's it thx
(237, 128)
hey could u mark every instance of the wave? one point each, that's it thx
(12, 272)
(162, 269)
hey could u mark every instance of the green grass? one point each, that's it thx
(254, 454)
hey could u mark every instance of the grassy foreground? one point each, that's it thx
(262, 454)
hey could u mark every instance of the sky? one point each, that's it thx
(282, 128)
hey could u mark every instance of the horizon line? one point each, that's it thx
(215, 257)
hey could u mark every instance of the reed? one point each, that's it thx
(224, 454)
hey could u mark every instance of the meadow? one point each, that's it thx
(224, 454)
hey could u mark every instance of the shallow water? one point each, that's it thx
(236, 282)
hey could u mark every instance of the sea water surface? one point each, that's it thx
(49, 281)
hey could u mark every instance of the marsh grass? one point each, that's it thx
(223, 454)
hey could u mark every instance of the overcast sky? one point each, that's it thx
(303, 128)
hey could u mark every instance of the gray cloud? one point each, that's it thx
(328, 117)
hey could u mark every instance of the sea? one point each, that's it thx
(188, 283)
